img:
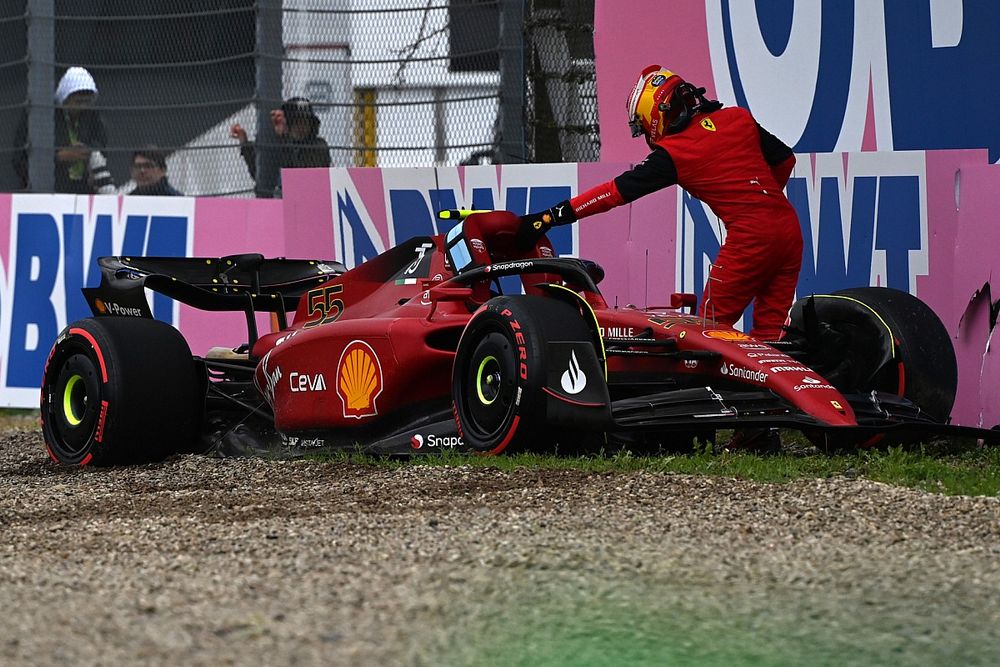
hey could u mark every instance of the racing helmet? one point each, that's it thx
(663, 103)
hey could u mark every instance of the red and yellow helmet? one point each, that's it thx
(648, 106)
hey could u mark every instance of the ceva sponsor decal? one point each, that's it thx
(419, 441)
(305, 382)
(743, 373)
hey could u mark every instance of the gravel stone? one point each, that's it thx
(205, 561)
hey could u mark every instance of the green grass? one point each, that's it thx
(19, 419)
(950, 468)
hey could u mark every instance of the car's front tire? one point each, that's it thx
(878, 338)
(500, 373)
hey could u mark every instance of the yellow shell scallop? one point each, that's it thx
(358, 379)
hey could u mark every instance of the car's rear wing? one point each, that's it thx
(248, 283)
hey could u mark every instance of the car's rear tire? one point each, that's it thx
(120, 390)
(500, 371)
(879, 338)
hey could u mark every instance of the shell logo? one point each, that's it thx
(359, 380)
(720, 334)
(101, 308)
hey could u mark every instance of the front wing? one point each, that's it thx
(705, 408)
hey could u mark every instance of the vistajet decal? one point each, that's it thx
(573, 379)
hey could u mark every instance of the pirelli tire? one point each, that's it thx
(917, 363)
(500, 372)
(120, 390)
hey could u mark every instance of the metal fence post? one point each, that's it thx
(41, 87)
(513, 86)
(267, 94)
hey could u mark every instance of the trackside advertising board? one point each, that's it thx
(830, 79)
(910, 220)
(895, 219)
(49, 245)
(826, 77)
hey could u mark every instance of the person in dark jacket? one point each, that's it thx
(149, 171)
(80, 136)
(297, 128)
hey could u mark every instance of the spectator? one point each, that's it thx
(80, 167)
(149, 172)
(297, 128)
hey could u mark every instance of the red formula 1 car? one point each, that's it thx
(418, 350)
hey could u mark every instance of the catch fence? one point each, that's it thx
(391, 82)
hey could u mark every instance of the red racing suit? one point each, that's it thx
(729, 162)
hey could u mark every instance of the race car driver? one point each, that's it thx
(726, 159)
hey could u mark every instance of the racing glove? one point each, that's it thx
(535, 225)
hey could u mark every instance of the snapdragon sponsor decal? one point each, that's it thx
(505, 266)
(420, 441)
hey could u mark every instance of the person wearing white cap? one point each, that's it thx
(80, 167)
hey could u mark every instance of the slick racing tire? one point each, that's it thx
(887, 340)
(500, 369)
(120, 390)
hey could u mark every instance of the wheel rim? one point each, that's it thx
(74, 400)
(492, 371)
(71, 404)
(488, 380)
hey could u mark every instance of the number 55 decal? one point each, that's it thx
(322, 306)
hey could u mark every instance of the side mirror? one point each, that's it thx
(680, 300)
(446, 292)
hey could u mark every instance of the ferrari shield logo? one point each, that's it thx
(708, 124)
(359, 380)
